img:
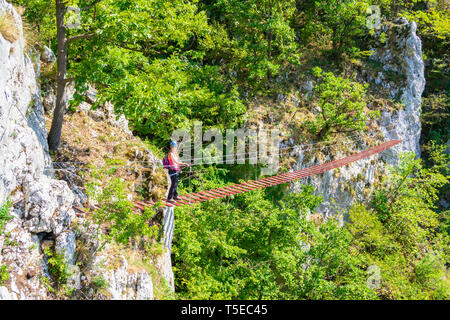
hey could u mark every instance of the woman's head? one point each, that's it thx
(172, 145)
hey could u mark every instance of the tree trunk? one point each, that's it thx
(323, 132)
(54, 136)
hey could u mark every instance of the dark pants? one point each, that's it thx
(174, 184)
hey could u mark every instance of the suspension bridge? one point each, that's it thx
(207, 195)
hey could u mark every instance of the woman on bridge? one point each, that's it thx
(173, 164)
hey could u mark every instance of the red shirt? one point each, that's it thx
(173, 156)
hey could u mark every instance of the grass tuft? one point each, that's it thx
(8, 27)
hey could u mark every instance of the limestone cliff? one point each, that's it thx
(23, 144)
(42, 213)
(400, 54)
(42, 206)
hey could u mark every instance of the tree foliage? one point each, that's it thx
(342, 106)
(340, 21)
(124, 225)
(400, 234)
(147, 60)
(253, 249)
(261, 36)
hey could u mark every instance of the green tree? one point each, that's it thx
(124, 225)
(146, 57)
(343, 21)
(401, 233)
(148, 61)
(436, 118)
(40, 14)
(342, 106)
(262, 40)
(251, 248)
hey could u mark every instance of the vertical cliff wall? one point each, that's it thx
(42, 206)
(400, 55)
(42, 213)
(23, 144)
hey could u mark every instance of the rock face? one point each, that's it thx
(42, 214)
(23, 144)
(401, 55)
(23, 257)
(48, 55)
(42, 206)
(164, 262)
(122, 283)
(103, 112)
(49, 100)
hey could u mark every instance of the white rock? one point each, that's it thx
(49, 99)
(164, 262)
(23, 144)
(101, 113)
(42, 205)
(404, 124)
(4, 294)
(308, 87)
(144, 287)
(48, 55)
(48, 205)
(122, 284)
(74, 281)
(164, 265)
(66, 245)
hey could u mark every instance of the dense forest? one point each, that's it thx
(167, 64)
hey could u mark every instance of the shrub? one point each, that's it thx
(400, 234)
(4, 274)
(4, 214)
(436, 118)
(252, 248)
(125, 226)
(57, 267)
(342, 22)
(99, 282)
